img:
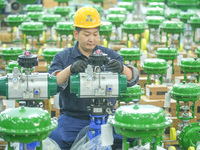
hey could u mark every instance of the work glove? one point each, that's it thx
(78, 66)
(115, 66)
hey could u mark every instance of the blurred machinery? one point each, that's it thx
(105, 33)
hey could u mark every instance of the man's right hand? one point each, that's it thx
(78, 66)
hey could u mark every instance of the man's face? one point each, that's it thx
(87, 38)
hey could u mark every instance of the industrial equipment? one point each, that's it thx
(197, 51)
(62, 2)
(35, 15)
(34, 8)
(105, 33)
(155, 11)
(195, 24)
(63, 11)
(157, 67)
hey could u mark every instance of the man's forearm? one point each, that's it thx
(128, 72)
(63, 75)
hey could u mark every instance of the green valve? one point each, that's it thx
(167, 53)
(16, 20)
(117, 10)
(130, 54)
(32, 28)
(34, 8)
(52, 85)
(2, 4)
(185, 92)
(26, 124)
(157, 4)
(49, 53)
(98, 8)
(159, 1)
(154, 21)
(139, 121)
(133, 27)
(195, 24)
(172, 13)
(65, 28)
(62, 10)
(197, 51)
(9, 68)
(189, 136)
(50, 20)
(173, 27)
(116, 19)
(155, 11)
(26, 1)
(127, 5)
(185, 16)
(106, 28)
(132, 93)
(35, 15)
(11, 53)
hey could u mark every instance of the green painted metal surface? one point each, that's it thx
(167, 53)
(154, 21)
(127, 5)
(16, 20)
(49, 53)
(133, 27)
(9, 68)
(98, 8)
(190, 65)
(185, 16)
(197, 51)
(185, 92)
(133, 92)
(25, 124)
(34, 8)
(62, 10)
(173, 27)
(106, 28)
(75, 84)
(116, 19)
(139, 121)
(155, 11)
(130, 53)
(2, 4)
(35, 15)
(157, 4)
(172, 13)
(32, 28)
(65, 28)
(189, 136)
(4, 86)
(194, 22)
(117, 10)
(155, 66)
(26, 1)
(50, 20)
(11, 53)
(52, 85)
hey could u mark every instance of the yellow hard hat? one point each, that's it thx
(87, 17)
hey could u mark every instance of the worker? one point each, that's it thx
(73, 112)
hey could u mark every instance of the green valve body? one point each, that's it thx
(197, 51)
(32, 28)
(155, 11)
(167, 53)
(49, 53)
(157, 4)
(106, 28)
(50, 20)
(26, 1)
(9, 68)
(189, 136)
(130, 54)
(62, 10)
(98, 8)
(173, 13)
(185, 92)
(116, 19)
(112, 85)
(154, 21)
(194, 22)
(34, 8)
(2, 4)
(155, 66)
(65, 28)
(16, 20)
(132, 93)
(173, 27)
(26, 124)
(127, 5)
(11, 53)
(190, 65)
(133, 27)
(117, 10)
(35, 15)
(139, 121)
(185, 16)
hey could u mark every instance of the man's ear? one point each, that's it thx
(76, 35)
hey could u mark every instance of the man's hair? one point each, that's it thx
(79, 29)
